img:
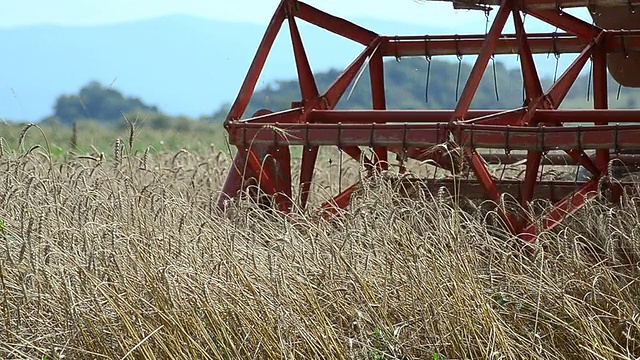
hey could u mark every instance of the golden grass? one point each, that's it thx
(127, 258)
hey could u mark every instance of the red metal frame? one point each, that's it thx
(537, 128)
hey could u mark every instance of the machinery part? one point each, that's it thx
(443, 138)
(623, 65)
(256, 165)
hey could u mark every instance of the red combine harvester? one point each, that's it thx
(539, 131)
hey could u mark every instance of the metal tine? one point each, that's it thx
(619, 91)
(504, 168)
(486, 23)
(427, 56)
(556, 54)
(364, 67)
(541, 167)
(589, 78)
(459, 56)
(402, 168)
(495, 77)
(577, 173)
(436, 167)
(625, 52)
(524, 96)
(554, 33)
(340, 158)
(340, 172)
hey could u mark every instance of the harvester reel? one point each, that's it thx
(534, 136)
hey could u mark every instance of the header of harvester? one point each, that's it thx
(544, 4)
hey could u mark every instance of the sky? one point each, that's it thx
(96, 12)
(81, 13)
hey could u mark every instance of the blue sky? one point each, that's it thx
(94, 12)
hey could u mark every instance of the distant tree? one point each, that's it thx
(95, 101)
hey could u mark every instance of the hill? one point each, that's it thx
(406, 88)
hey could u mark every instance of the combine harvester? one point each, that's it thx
(535, 135)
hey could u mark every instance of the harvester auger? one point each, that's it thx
(539, 130)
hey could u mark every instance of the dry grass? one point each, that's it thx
(127, 258)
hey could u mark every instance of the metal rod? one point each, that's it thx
(433, 116)
(614, 137)
(250, 81)
(334, 24)
(560, 88)
(567, 22)
(532, 85)
(306, 80)
(309, 157)
(541, 43)
(556, 4)
(378, 99)
(601, 98)
(339, 86)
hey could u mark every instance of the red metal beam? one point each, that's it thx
(544, 138)
(341, 201)
(531, 176)
(568, 23)
(233, 181)
(470, 89)
(530, 76)
(567, 206)
(378, 100)
(558, 4)
(308, 87)
(379, 116)
(266, 183)
(552, 138)
(334, 24)
(356, 154)
(588, 116)
(483, 175)
(439, 155)
(540, 43)
(309, 157)
(480, 64)
(533, 89)
(560, 88)
(439, 116)
(250, 81)
(601, 97)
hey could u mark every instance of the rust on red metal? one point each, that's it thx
(539, 132)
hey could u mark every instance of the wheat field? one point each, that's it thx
(125, 257)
